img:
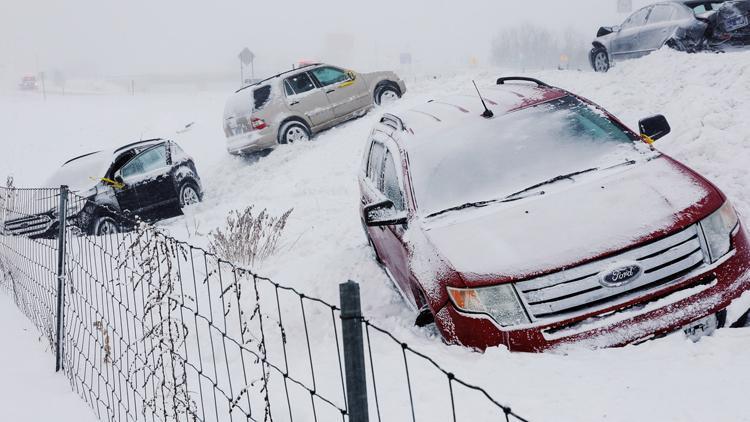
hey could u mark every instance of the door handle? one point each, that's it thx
(294, 103)
(330, 91)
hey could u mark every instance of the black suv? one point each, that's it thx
(150, 180)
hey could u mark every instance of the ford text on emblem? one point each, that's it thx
(620, 274)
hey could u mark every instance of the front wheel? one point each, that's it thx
(292, 132)
(105, 225)
(600, 60)
(189, 195)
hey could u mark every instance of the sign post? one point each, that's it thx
(246, 58)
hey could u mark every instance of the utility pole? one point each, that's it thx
(44, 88)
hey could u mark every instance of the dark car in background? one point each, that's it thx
(689, 26)
(149, 180)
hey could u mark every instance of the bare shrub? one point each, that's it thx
(248, 238)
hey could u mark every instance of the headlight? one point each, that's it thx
(75, 205)
(499, 302)
(718, 228)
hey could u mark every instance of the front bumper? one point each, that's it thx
(705, 292)
(257, 140)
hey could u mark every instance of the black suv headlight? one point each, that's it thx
(717, 230)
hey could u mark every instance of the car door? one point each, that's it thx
(149, 174)
(306, 98)
(625, 43)
(346, 92)
(658, 28)
(385, 167)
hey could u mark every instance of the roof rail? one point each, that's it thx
(392, 121)
(502, 81)
(277, 75)
(143, 141)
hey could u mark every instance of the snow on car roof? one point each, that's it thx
(441, 114)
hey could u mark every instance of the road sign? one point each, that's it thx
(246, 56)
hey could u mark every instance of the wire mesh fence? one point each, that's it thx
(155, 329)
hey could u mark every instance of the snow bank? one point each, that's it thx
(30, 390)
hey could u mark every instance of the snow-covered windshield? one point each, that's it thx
(82, 173)
(494, 158)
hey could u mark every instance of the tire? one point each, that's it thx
(189, 194)
(600, 60)
(387, 94)
(105, 225)
(293, 131)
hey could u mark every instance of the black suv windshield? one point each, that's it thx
(494, 159)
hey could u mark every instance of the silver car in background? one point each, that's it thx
(295, 105)
(683, 25)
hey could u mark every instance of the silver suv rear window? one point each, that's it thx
(261, 96)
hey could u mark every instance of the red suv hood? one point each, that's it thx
(574, 223)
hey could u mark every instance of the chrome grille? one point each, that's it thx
(28, 226)
(578, 290)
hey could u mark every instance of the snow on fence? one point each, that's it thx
(155, 329)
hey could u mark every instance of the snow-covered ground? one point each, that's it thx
(706, 98)
(30, 391)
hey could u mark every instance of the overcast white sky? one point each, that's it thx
(111, 37)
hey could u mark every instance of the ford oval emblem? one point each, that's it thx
(620, 274)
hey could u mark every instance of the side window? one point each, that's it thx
(375, 164)
(636, 19)
(660, 13)
(330, 75)
(298, 84)
(152, 159)
(391, 185)
(261, 96)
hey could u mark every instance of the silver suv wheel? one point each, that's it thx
(293, 132)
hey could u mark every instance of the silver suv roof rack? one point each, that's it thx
(393, 121)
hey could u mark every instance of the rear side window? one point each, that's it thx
(637, 19)
(661, 13)
(375, 163)
(298, 84)
(261, 96)
(391, 186)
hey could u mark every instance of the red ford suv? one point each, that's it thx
(534, 219)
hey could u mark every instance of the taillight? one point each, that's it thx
(258, 124)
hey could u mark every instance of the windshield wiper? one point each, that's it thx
(514, 196)
(517, 196)
(555, 179)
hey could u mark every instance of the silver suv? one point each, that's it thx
(294, 105)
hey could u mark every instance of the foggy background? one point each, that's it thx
(189, 39)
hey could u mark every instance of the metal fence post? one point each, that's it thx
(354, 352)
(60, 315)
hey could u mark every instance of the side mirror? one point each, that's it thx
(351, 74)
(604, 30)
(616, 28)
(654, 127)
(383, 213)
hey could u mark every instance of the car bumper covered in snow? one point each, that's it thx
(257, 140)
(721, 289)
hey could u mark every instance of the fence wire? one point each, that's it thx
(156, 329)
